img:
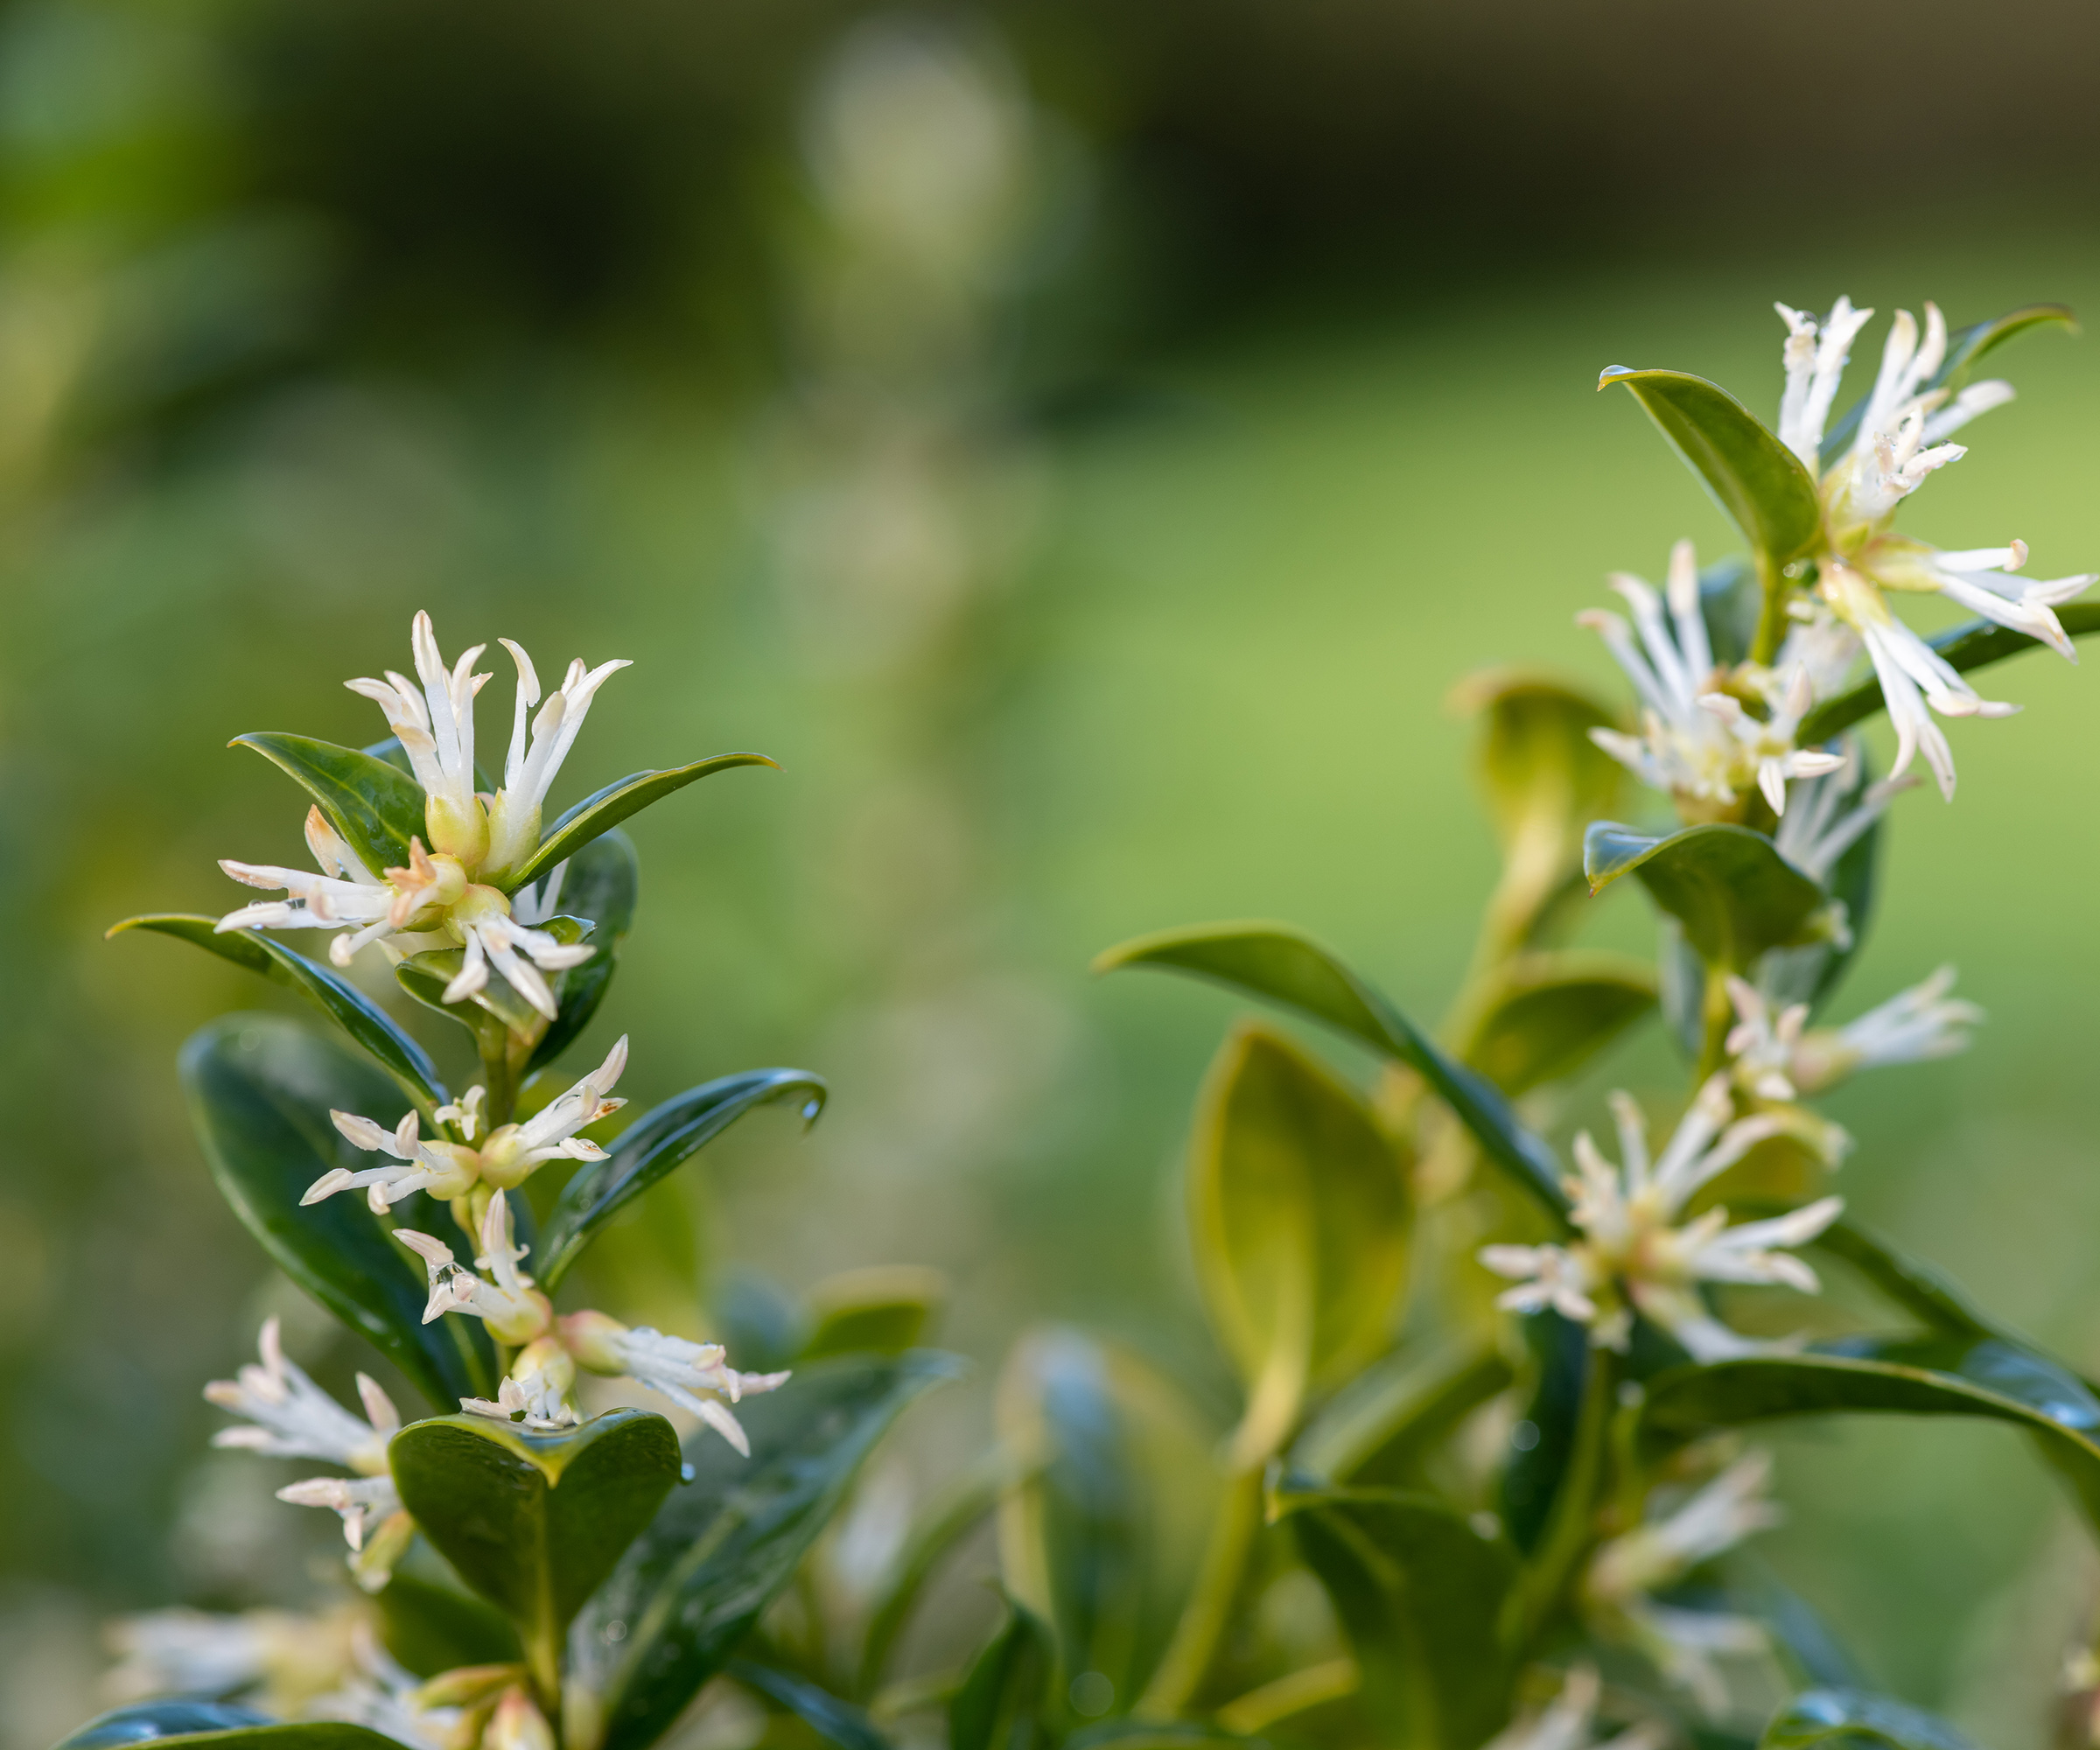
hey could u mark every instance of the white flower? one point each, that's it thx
(1913, 1026)
(537, 1390)
(1567, 1722)
(449, 895)
(1631, 1255)
(1699, 743)
(1624, 1574)
(515, 1312)
(1899, 444)
(294, 1418)
(287, 1658)
(695, 1376)
(506, 1158)
(381, 1695)
(1830, 815)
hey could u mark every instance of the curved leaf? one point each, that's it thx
(723, 1546)
(336, 998)
(598, 884)
(260, 1090)
(1545, 1441)
(1421, 1594)
(1282, 965)
(1987, 1377)
(1973, 644)
(883, 1310)
(1003, 1699)
(534, 1521)
(375, 807)
(653, 1146)
(430, 1628)
(216, 1723)
(1753, 477)
(1729, 887)
(1819, 1716)
(1373, 1431)
(833, 1720)
(1965, 346)
(605, 808)
(1300, 1219)
(1543, 1016)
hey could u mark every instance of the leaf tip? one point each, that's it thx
(1611, 374)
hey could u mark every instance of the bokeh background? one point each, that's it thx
(1083, 443)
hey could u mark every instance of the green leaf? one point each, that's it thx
(376, 807)
(1753, 477)
(835, 1721)
(1987, 1377)
(1973, 644)
(1300, 1219)
(1531, 1480)
(1374, 1430)
(1421, 1594)
(216, 1723)
(1004, 1700)
(534, 1521)
(1846, 1718)
(605, 808)
(723, 1546)
(655, 1145)
(423, 977)
(1105, 1538)
(884, 1310)
(600, 884)
(260, 1090)
(338, 999)
(1729, 887)
(430, 1628)
(1543, 1016)
(1281, 965)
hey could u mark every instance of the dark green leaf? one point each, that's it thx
(1542, 1444)
(1281, 965)
(534, 1522)
(1846, 1718)
(1106, 1537)
(260, 1091)
(424, 976)
(1731, 891)
(338, 999)
(833, 1720)
(723, 1546)
(883, 1310)
(656, 1144)
(1965, 346)
(1421, 1594)
(1753, 477)
(599, 883)
(1973, 644)
(430, 1627)
(376, 807)
(605, 808)
(217, 1723)
(1003, 1701)
(1374, 1430)
(1300, 1219)
(1987, 1377)
(1543, 1016)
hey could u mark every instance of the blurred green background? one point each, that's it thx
(1082, 444)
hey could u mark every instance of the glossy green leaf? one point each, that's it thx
(260, 1090)
(600, 884)
(375, 807)
(1281, 965)
(1374, 1432)
(724, 1545)
(1973, 644)
(534, 1521)
(336, 998)
(1847, 1719)
(1300, 1218)
(605, 808)
(655, 1145)
(1542, 1017)
(1105, 1538)
(1731, 891)
(1004, 1700)
(1965, 348)
(834, 1720)
(218, 1723)
(884, 1310)
(430, 1627)
(423, 977)
(1753, 477)
(1421, 1594)
(1987, 1377)
(1542, 1443)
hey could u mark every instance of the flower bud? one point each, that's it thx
(594, 1339)
(457, 830)
(518, 1726)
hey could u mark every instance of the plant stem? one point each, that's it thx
(1772, 617)
(1188, 1655)
(1719, 1014)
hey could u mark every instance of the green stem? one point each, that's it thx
(500, 1072)
(1203, 1618)
(1718, 1015)
(1772, 617)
